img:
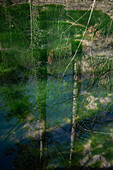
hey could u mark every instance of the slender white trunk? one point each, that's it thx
(74, 116)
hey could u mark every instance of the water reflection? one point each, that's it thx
(55, 122)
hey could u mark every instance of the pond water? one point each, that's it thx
(54, 116)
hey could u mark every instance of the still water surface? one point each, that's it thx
(47, 120)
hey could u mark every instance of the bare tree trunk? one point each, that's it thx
(74, 111)
(76, 95)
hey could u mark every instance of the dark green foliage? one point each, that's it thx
(27, 156)
(16, 100)
(14, 18)
(74, 45)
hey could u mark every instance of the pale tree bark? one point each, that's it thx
(76, 96)
(77, 86)
(76, 50)
(74, 111)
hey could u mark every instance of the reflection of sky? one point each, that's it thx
(58, 98)
(58, 111)
(4, 129)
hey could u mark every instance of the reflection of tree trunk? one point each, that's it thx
(76, 94)
(41, 94)
(42, 116)
(40, 59)
(74, 116)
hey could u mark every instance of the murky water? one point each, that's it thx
(50, 119)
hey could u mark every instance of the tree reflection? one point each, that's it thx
(76, 95)
(41, 91)
(81, 143)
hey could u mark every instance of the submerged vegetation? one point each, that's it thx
(50, 120)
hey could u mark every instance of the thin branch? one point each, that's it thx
(93, 4)
(74, 22)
